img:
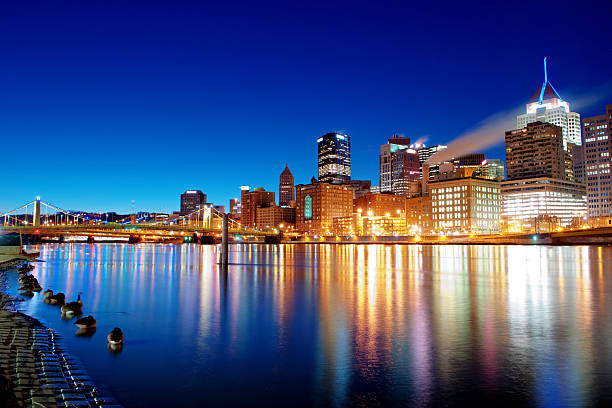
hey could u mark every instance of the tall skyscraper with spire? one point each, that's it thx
(546, 105)
(286, 188)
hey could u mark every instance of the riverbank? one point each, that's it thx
(35, 371)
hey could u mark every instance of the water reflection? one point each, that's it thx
(340, 324)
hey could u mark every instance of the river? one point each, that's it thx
(338, 325)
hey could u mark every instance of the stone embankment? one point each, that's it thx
(34, 369)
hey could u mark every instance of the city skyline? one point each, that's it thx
(92, 118)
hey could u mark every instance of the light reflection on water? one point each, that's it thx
(340, 324)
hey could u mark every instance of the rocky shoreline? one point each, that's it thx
(35, 371)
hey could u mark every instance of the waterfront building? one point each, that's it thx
(535, 150)
(334, 152)
(418, 214)
(546, 105)
(382, 204)
(465, 203)
(318, 203)
(192, 200)
(360, 224)
(597, 157)
(286, 188)
(541, 204)
(399, 166)
(252, 201)
(493, 169)
(275, 216)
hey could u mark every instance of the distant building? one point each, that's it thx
(192, 200)
(358, 224)
(425, 153)
(471, 159)
(597, 158)
(546, 105)
(359, 187)
(274, 216)
(317, 204)
(399, 166)
(383, 204)
(252, 201)
(334, 151)
(234, 206)
(578, 158)
(220, 208)
(465, 203)
(286, 188)
(493, 169)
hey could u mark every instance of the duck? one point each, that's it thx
(115, 336)
(52, 299)
(26, 292)
(29, 282)
(26, 268)
(86, 322)
(72, 308)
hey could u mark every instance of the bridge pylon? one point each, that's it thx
(36, 214)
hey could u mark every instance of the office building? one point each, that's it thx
(286, 188)
(424, 154)
(192, 200)
(465, 203)
(252, 201)
(546, 105)
(597, 157)
(380, 205)
(318, 203)
(399, 166)
(535, 150)
(358, 224)
(359, 187)
(578, 163)
(541, 204)
(418, 214)
(234, 206)
(334, 151)
(275, 217)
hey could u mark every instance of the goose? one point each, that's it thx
(115, 336)
(86, 322)
(52, 299)
(72, 308)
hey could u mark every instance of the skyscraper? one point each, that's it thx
(334, 158)
(398, 166)
(192, 200)
(251, 202)
(597, 132)
(535, 151)
(425, 153)
(546, 105)
(286, 188)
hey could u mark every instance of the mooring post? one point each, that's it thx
(225, 240)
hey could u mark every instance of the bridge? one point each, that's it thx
(41, 219)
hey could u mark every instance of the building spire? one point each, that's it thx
(544, 83)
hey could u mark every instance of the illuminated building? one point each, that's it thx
(538, 204)
(472, 159)
(467, 204)
(399, 166)
(380, 205)
(274, 216)
(597, 132)
(425, 153)
(546, 105)
(361, 224)
(418, 214)
(535, 151)
(493, 169)
(252, 201)
(192, 200)
(334, 158)
(286, 188)
(318, 203)
(234, 206)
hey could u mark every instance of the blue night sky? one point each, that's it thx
(102, 103)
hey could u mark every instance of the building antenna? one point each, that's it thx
(543, 84)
